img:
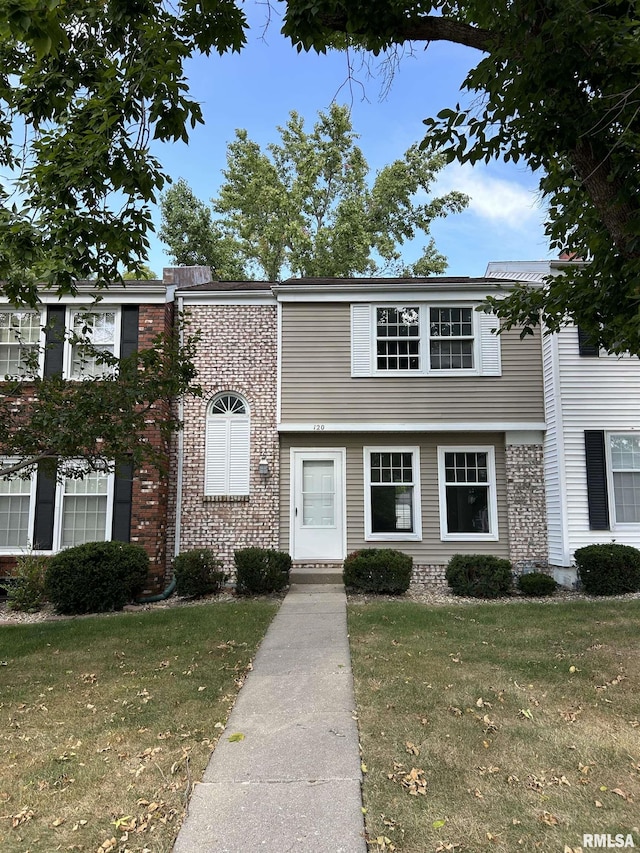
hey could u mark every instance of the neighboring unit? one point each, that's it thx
(592, 443)
(45, 513)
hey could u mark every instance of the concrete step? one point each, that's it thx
(304, 573)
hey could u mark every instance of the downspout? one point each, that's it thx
(162, 596)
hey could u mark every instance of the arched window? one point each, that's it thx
(227, 446)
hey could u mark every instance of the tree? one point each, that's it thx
(142, 273)
(558, 88)
(92, 425)
(84, 87)
(193, 237)
(305, 208)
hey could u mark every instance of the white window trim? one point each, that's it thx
(493, 534)
(32, 514)
(416, 535)
(614, 524)
(67, 366)
(58, 513)
(424, 337)
(7, 309)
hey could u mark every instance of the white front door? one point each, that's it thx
(317, 523)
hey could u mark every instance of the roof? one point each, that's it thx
(227, 286)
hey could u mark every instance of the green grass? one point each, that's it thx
(108, 721)
(523, 721)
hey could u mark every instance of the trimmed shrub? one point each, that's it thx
(96, 577)
(536, 583)
(479, 575)
(381, 570)
(198, 573)
(608, 569)
(260, 570)
(25, 589)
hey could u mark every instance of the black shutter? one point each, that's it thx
(54, 344)
(585, 346)
(597, 492)
(45, 509)
(129, 330)
(122, 489)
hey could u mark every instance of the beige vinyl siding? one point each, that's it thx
(430, 551)
(317, 384)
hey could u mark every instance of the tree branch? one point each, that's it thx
(426, 28)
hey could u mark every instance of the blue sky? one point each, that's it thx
(258, 88)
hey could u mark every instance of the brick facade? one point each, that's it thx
(149, 497)
(526, 507)
(238, 353)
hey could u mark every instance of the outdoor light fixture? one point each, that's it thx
(263, 468)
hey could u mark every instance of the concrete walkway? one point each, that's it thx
(293, 782)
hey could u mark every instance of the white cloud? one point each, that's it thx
(498, 200)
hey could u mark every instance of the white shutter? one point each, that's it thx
(489, 345)
(361, 340)
(238, 460)
(216, 455)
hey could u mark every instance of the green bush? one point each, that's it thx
(96, 577)
(536, 583)
(479, 575)
(25, 589)
(381, 570)
(608, 569)
(260, 570)
(198, 573)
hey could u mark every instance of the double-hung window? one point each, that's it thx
(85, 508)
(468, 508)
(99, 328)
(16, 504)
(624, 450)
(451, 339)
(392, 502)
(418, 339)
(398, 338)
(20, 333)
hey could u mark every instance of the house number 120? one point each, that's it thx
(317, 427)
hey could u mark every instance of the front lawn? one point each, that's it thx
(498, 727)
(107, 721)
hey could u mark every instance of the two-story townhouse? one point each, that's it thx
(592, 442)
(46, 513)
(342, 414)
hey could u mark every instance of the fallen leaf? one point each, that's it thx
(411, 748)
(622, 794)
(234, 738)
(549, 819)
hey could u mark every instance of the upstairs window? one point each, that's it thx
(100, 328)
(19, 341)
(227, 446)
(398, 338)
(451, 339)
(423, 340)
